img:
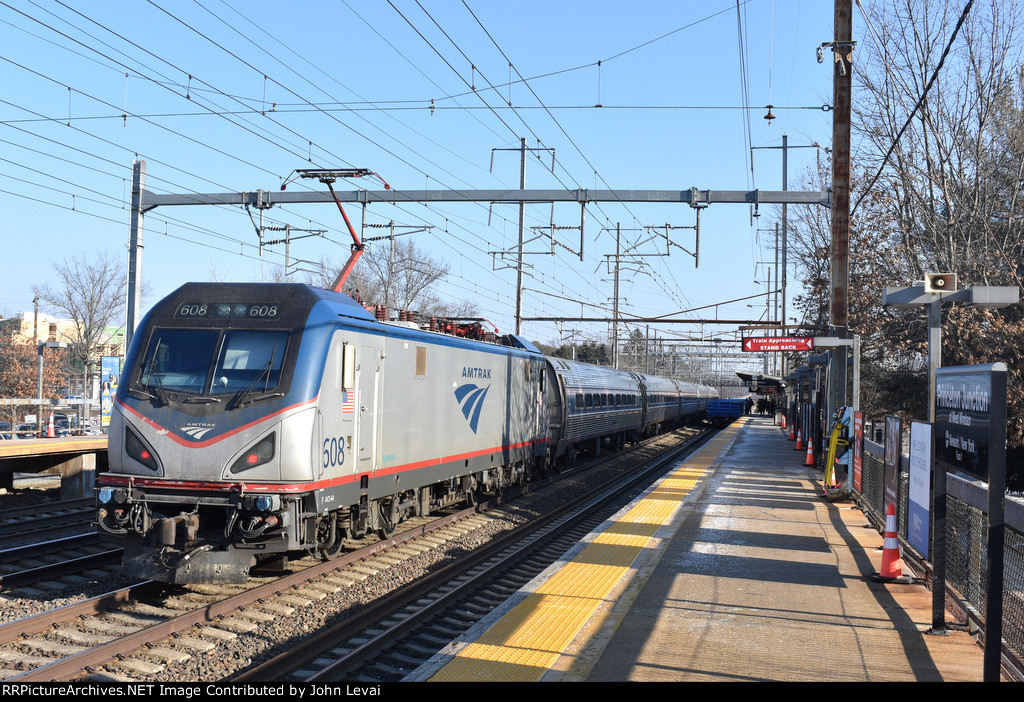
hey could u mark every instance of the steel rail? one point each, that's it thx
(524, 537)
(86, 661)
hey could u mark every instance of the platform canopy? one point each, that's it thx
(763, 384)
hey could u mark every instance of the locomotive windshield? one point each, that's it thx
(211, 362)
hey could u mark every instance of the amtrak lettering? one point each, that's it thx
(481, 373)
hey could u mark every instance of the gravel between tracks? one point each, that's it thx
(18, 603)
(287, 630)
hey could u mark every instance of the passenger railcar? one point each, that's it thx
(597, 406)
(257, 421)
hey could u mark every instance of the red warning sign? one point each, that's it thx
(778, 343)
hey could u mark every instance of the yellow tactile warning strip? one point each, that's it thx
(526, 642)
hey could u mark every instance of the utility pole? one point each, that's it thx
(842, 83)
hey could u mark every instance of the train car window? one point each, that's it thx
(249, 359)
(588, 400)
(178, 359)
(421, 360)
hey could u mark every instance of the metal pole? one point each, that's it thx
(934, 350)
(134, 253)
(39, 386)
(938, 554)
(785, 239)
(775, 304)
(992, 661)
(647, 347)
(519, 257)
(615, 305)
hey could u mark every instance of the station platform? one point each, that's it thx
(732, 568)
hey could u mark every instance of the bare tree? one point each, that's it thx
(404, 273)
(939, 139)
(398, 275)
(90, 292)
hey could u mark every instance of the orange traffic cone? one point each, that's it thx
(799, 440)
(836, 482)
(783, 420)
(792, 431)
(51, 433)
(810, 452)
(892, 564)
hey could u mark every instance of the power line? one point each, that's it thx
(917, 106)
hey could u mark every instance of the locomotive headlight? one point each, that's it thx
(258, 454)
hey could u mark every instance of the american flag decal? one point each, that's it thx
(348, 402)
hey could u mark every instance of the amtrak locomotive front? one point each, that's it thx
(255, 422)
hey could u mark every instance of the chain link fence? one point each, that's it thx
(966, 546)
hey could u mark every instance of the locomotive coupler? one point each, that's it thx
(169, 528)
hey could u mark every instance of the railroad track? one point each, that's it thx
(45, 520)
(149, 630)
(123, 629)
(35, 562)
(390, 640)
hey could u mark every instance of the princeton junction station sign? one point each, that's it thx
(970, 419)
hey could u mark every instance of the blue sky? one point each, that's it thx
(224, 96)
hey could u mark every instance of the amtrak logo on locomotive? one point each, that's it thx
(471, 398)
(198, 431)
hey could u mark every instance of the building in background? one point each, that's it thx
(71, 375)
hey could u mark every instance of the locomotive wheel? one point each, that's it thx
(390, 516)
(329, 554)
(329, 550)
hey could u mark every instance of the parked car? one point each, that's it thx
(5, 431)
(26, 431)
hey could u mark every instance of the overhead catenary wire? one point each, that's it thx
(467, 237)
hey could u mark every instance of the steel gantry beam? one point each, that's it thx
(691, 196)
(144, 200)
